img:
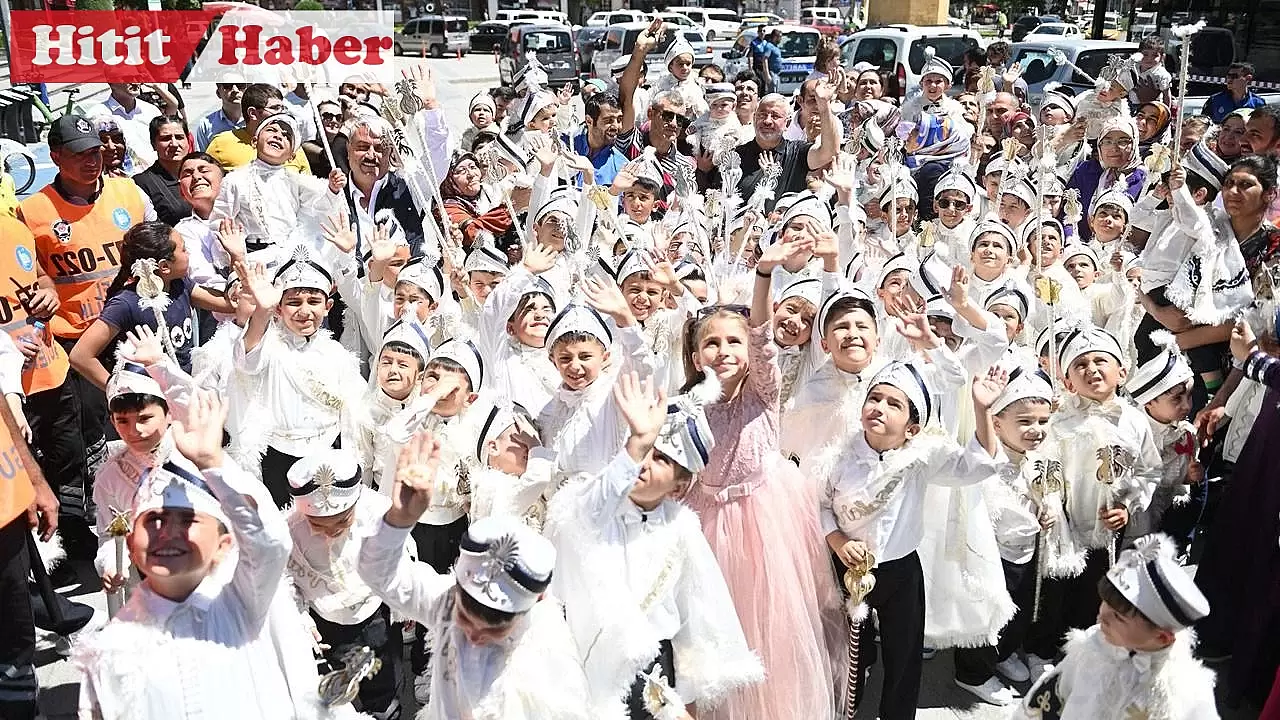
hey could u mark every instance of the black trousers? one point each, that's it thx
(18, 683)
(666, 660)
(438, 546)
(377, 693)
(975, 666)
(1066, 604)
(898, 600)
(58, 443)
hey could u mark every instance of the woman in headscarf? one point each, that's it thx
(115, 153)
(1153, 125)
(466, 203)
(1115, 159)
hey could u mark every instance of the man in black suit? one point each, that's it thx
(374, 187)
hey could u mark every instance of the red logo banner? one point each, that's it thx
(65, 46)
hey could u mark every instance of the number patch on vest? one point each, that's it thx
(73, 262)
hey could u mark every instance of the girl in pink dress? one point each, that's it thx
(760, 516)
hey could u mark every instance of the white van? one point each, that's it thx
(821, 16)
(718, 22)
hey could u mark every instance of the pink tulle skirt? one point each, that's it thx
(766, 536)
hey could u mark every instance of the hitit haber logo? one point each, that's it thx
(243, 44)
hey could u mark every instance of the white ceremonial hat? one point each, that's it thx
(629, 264)
(1086, 340)
(809, 205)
(958, 180)
(678, 48)
(907, 377)
(987, 227)
(686, 435)
(938, 306)
(482, 99)
(1078, 248)
(901, 261)
(1148, 576)
(464, 353)
(1168, 369)
(931, 277)
(132, 378)
(503, 564)
(1058, 99)
(559, 201)
(427, 277)
(171, 486)
(301, 270)
(934, 65)
(901, 186)
(1021, 188)
(1206, 164)
(1032, 227)
(535, 103)
(872, 136)
(577, 318)
(1024, 383)
(808, 289)
(846, 294)
(1010, 294)
(325, 482)
(287, 121)
(486, 258)
(505, 148)
(1054, 185)
(500, 414)
(1116, 195)
(998, 164)
(409, 331)
(1061, 327)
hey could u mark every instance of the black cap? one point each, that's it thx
(73, 133)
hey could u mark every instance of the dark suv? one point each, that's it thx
(552, 44)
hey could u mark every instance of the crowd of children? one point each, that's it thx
(656, 449)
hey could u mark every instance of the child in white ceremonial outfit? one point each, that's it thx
(514, 471)
(643, 594)
(331, 516)
(872, 506)
(502, 648)
(1136, 661)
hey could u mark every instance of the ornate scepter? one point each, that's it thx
(1008, 152)
(1184, 32)
(859, 582)
(1048, 481)
(151, 296)
(118, 529)
(343, 685)
(986, 89)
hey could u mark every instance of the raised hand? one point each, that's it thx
(231, 237)
(650, 38)
(199, 437)
(381, 247)
(605, 297)
(1243, 341)
(337, 181)
(661, 271)
(642, 406)
(339, 233)
(257, 286)
(915, 328)
(780, 253)
(841, 174)
(626, 177)
(142, 346)
(425, 82)
(986, 390)
(539, 258)
(958, 294)
(415, 475)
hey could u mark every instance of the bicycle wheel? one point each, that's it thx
(22, 168)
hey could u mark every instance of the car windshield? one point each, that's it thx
(1051, 30)
(949, 48)
(720, 15)
(629, 43)
(1037, 65)
(548, 41)
(455, 26)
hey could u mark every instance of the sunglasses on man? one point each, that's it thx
(671, 116)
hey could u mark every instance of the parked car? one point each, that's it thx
(1027, 24)
(717, 23)
(616, 17)
(437, 34)
(1053, 31)
(898, 50)
(680, 20)
(539, 16)
(551, 44)
(752, 20)
(1039, 67)
(821, 16)
(799, 48)
(487, 36)
(620, 40)
(586, 40)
